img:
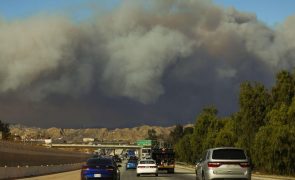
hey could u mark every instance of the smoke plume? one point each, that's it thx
(165, 59)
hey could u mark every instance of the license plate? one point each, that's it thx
(97, 175)
(231, 166)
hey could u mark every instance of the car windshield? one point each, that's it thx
(147, 162)
(228, 154)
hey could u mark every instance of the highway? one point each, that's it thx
(180, 173)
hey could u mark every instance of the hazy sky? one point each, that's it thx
(89, 63)
(268, 11)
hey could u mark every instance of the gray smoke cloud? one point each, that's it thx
(155, 56)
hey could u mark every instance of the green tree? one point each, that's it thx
(4, 129)
(188, 130)
(152, 134)
(264, 126)
(226, 136)
(254, 105)
(183, 149)
(176, 134)
(274, 143)
(200, 139)
(284, 89)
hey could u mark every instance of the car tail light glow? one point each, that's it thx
(110, 169)
(214, 164)
(244, 164)
(85, 167)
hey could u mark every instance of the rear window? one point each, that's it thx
(99, 161)
(228, 154)
(146, 150)
(132, 161)
(147, 162)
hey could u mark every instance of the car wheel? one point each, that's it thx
(203, 176)
(137, 175)
(157, 174)
(197, 176)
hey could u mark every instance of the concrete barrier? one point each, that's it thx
(27, 171)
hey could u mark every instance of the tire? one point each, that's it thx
(203, 176)
(157, 174)
(170, 171)
(137, 175)
(197, 177)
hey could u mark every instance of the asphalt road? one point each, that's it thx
(180, 173)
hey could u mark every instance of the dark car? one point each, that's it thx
(131, 164)
(100, 168)
(117, 159)
(133, 158)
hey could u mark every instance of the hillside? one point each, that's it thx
(100, 134)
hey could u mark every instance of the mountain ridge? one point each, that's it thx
(99, 134)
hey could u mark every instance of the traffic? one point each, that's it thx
(216, 163)
(157, 163)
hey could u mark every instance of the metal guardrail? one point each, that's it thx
(103, 146)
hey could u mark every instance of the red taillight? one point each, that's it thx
(244, 164)
(85, 167)
(109, 168)
(213, 164)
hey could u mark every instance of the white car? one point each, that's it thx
(147, 166)
(224, 163)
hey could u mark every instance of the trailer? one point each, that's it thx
(165, 159)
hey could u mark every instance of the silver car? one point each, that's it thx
(223, 163)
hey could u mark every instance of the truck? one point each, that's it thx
(145, 152)
(165, 158)
(130, 153)
(146, 147)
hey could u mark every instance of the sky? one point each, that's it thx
(271, 12)
(78, 64)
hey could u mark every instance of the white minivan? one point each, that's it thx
(223, 163)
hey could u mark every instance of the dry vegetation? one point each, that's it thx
(14, 154)
(101, 134)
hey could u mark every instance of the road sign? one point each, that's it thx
(144, 142)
